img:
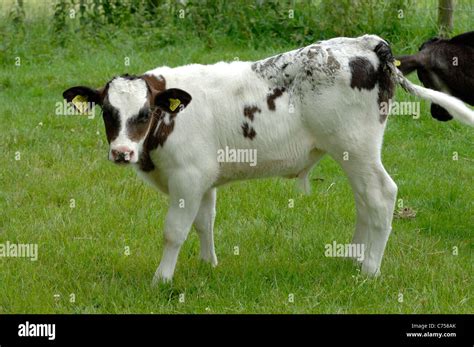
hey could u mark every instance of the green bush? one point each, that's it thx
(153, 24)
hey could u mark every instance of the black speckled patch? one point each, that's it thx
(276, 93)
(249, 112)
(363, 74)
(248, 131)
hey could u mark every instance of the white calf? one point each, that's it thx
(290, 109)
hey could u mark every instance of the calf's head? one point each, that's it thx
(129, 104)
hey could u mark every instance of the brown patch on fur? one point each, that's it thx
(249, 111)
(155, 84)
(158, 131)
(164, 130)
(384, 79)
(151, 142)
(277, 92)
(364, 76)
(137, 127)
(363, 73)
(248, 131)
(386, 92)
(111, 121)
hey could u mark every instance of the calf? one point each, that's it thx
(291, 109)
(447, 66)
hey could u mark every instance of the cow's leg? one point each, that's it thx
(185, 199)
(303, 177)
(204, 224)
(375, 194)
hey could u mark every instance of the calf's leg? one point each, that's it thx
(185, 195)
(204, 224)
(375, 194)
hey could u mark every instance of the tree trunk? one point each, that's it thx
(445, 17)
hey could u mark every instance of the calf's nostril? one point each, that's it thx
(121, 156)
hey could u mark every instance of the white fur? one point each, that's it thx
(128, 97)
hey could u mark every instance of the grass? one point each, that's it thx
(281, 249)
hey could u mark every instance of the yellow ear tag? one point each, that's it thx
(80, 102)
(398, 62)
(174, 103)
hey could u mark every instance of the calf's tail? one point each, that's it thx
(453, 105)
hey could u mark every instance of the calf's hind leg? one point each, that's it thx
(375, 194)
(204, 224)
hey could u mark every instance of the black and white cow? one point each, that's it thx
(447, 66)
(291, 108)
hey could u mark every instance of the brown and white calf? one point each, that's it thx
(292, 109)
(447, 66)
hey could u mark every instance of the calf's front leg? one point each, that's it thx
(185, 198)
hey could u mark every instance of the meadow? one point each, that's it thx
(99, 228)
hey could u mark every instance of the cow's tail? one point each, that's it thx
(453, 105)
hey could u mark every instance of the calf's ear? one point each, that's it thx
(172, 100)
(83, 98)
